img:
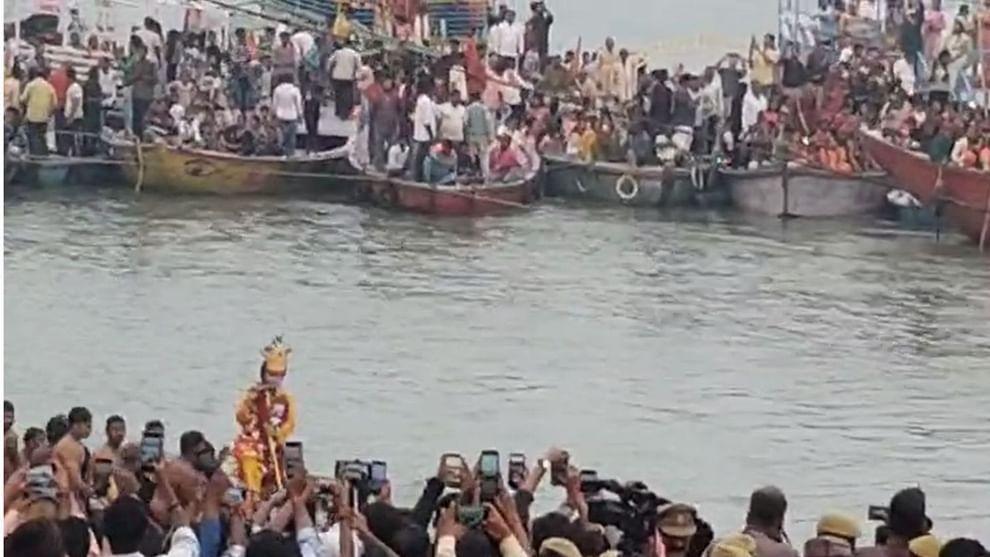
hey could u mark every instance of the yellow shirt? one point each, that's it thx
(588, 145)
(765, 66)
(342, 27)
(11, 93)
(39, 101)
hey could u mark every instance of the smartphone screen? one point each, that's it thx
(489, 465)
(152, 448)
(294, 451)
(379, 472)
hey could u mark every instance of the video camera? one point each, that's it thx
(634, 513)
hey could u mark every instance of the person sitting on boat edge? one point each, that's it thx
(440, 165)
(508, 162)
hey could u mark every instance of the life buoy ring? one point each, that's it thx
(624, 193)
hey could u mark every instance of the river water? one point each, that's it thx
(703, 353)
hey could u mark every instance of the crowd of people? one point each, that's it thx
(126, 498)
(485, 107)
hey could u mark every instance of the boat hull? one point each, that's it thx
(620, 184)
(966, 191)
(172, 169)
(449, 201)
(810, 192)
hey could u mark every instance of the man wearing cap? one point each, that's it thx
(676, 526)
(836, 535)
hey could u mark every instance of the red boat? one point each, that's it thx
(453, 200)
(965, 191)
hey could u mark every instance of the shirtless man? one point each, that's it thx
(73, 457)
(116, 430)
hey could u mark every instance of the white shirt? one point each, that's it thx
(303, 42)
(184, 544)
(397, 157)
(508, 39)
(752, 107)
(458, 80)
(424, 119)
(344, 64)
(452, 121)
(108, 85)
(330, 541)
(287, 102)
(150, 40)
(74, 102)
(905, 74)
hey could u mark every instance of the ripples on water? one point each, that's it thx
(703, 353)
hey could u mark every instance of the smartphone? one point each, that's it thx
(877, 512)
(377, 475)
(152, 449)
(558, 470)
(293, 458)
(488, 465)
(471, 516)
(235, 496)
(453, 465)
(517, 469)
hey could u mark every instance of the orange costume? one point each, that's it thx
(266, 415)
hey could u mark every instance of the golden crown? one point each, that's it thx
(276, 355)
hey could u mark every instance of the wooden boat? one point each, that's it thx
(179, 169)
(619, 183)
(806, 192)
(454, 200)
(966, 192)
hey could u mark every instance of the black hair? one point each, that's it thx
(880, 535)
(75, 536)
(124, 523)
(38, 538)
(384, 521)
(411, 540)
(189, 441)
(115, 419)
(56, 428)
(550, 525)
(767, 507)
(8, 406)
(270, 544)
(963, 547)
(907, 518)
(80, 415)
(32, 434)
(475, 543)
(154, 424)
(70, 72)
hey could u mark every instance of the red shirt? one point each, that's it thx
(60, 81)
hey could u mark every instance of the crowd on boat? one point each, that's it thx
(132, 498)
(487, 107)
